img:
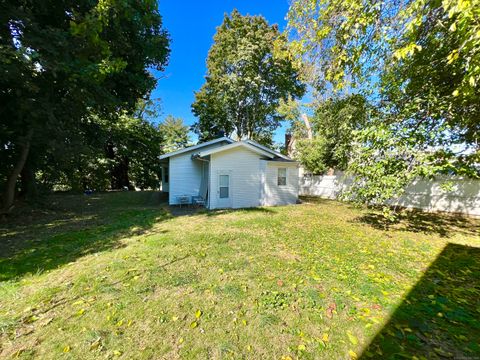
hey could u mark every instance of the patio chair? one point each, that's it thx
(183, 200)
(198, 201)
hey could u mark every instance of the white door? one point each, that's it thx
(224, 190)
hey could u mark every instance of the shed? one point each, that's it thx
(224, 173)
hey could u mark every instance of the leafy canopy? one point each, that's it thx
(64, 61)
(332, 124)
(174, 134)
(419, 62)
(249, 70)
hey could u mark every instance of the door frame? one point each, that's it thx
(224, 203)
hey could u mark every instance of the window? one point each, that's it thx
(224, 186)
(282, 177)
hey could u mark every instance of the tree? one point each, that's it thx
(105, 155)
(249, 70)
(333, 123)
(132, 148)
(174, 134)
(419, 61)
(64, 60)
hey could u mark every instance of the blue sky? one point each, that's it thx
(191, 25)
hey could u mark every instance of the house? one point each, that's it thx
(229, 174)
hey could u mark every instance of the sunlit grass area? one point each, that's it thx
(119, 276)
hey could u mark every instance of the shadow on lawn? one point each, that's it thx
(441, 224)
(176, 210)
(74, 226)
(439, 318)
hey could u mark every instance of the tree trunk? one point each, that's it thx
(308, 126)
(28, 186)
(9, 192)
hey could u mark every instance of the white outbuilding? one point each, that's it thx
(224, 173)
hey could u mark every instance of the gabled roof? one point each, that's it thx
(276, 153)
(267, 152)
(195, 147)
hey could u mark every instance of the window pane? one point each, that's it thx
(224, 180)
(282, 176)
(223, 192)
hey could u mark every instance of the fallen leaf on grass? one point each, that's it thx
(31, 319)
(331, 308)
(194, 324)
(94, 345)
(353, 339)
(198, 313)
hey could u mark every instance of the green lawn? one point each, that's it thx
(118, 276)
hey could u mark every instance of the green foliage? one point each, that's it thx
(121, 153)
(333, 123)
(66, 61)
(249, 70)
(311, 153)
(174, 134)
(421, 60)
(384, 163)
(134, 143)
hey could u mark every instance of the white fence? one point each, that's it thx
(421, 194)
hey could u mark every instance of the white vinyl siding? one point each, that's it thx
(243, 165)
(275, 194)
(185, 174)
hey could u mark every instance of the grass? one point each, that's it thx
(119, 276)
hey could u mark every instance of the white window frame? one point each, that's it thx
(281, 177)
(220, 186)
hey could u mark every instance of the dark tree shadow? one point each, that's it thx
(440, 317)
(71, 226)
(177, 210)
(442, 224)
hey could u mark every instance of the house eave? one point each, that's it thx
(195, 147)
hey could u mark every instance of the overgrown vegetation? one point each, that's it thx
(118, 276)
(329, 143)
(418, 63)
(73, 74)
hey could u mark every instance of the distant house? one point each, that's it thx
(224, 173)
